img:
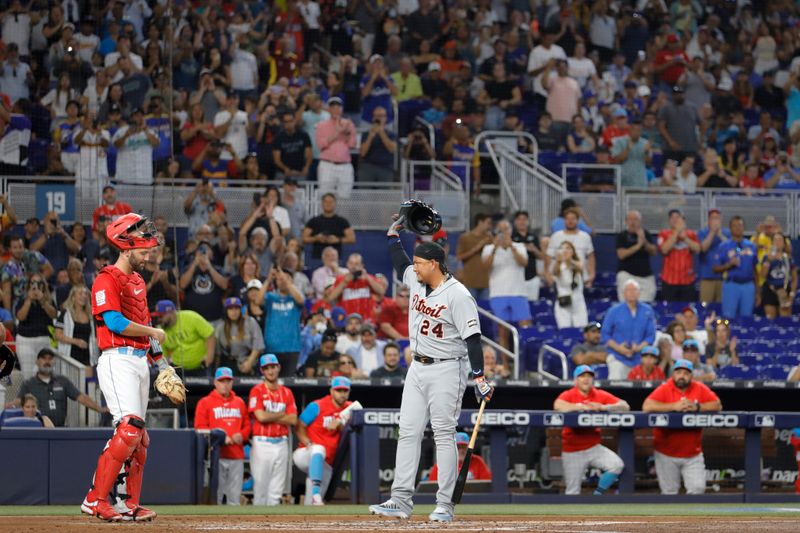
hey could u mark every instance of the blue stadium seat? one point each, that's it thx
(21, 422)
(539, 306)
(787, 360)
(775, 372)
(576, 334)
(600, 372)
(12, 412)
(737, 372)
(751, 360)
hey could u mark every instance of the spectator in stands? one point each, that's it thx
(523, 234)
(677, 123)
(17, 76)
(327, 229)
(634, 154)
(391, 363)
(55, 243)
(74, 329)
(563, 97)
(335, 138)
(230, 126)
(780, 279)
(291, 265)
(691, 353)
(710, 239)
(408, 83)
(618, 128)
(240, 340)
(253, 304)
(460, 149)
(328, 272)
(135, 143)
(223, 410)
(196, 134)
(713, 174)
(647, 369)
(348, 368)
(581, 241)
(558, 224)
(20, 266)
(683, 177)
(580, 139)
(501, 95)
(111, 207)
(546, 137)
(368, 355)
(291, 150)
(377, 89)
(203, 282)
(355, 291)
(351, 336)
(30, 409)
(566, 272)
(736, 259)
(294, 206)
(376, 154)
(491, 368)
(52, 390)
(697, 83)
(679, 452)
(677, 244)
(591, 351)
(628, 327)
(323, 361)
(34, 312)
(283, 305)
(160, 280)
(393, 319)
(212, 167)
(634, 249)
(721, 351)
(539, 61)
(190, 341)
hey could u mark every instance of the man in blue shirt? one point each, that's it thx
(628, 327)
(736, 259)
(377, 90)
(283, 306)
(710, 238)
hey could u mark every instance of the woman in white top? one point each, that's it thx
(74, 329)
(279, 213)
(96, 92)
(683, 177)
(567, 270)
(56, 100)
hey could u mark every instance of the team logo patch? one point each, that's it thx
(472, 323)
(252, 402)
(100, 297)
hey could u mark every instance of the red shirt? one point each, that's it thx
(112, 290)
(680, 442)
(280, 400)
(671, 74)
(228, 414)
(579, 439)
(114, 212)
(395, 316)
(477, 470)
(637, 372)
(678, 265)
(756, 183)
(357, 298)
(322, 411)
(196, 144)
(612, 132)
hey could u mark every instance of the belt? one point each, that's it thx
(126, 350)
(335, 163)
(271, 440)
(425, 360)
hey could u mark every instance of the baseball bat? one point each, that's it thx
(463, 474)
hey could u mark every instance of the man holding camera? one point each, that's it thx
(55, 243)
(377, 150)
(203, 284)
(200, 204)
(135, 143)
(210, 165)
(354, 291)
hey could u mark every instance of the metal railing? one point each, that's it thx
(514, 351)
(547, 349)
(443, 188)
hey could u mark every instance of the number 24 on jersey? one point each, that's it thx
(425, 329)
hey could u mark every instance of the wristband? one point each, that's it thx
(162, 364)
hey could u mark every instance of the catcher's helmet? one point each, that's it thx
(420, 218)
(133, 231)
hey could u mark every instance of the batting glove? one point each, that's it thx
(483, 389)
(396, 227)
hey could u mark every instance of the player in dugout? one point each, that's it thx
(580, 447)
(478, 471)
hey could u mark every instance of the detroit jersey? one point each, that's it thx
(438, 323)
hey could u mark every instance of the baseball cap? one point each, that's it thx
(356, 316)
(691, 308)
(338, 317)
(368, 328)
(165, 306)
(375, 57)
(691, 343)
(340, 382)
(462, 439)
(109, 186)
(672, 38)
(683, 363)
(620, 112)
(268, 359)
(592, 325)
(254, 284)
(223, 372)
(233, 301)
(650, 350)
(434, 65)
(334, 101)
(714, 209)
(582, 369)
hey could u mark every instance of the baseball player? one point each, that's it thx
(119, 306)
(318, 432)
(679, 452)
(223, 409)
(580, 447)
(274, 411)
(443, 332)
(478, 471)
(795, 442)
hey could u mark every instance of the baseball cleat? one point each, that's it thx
(388, 508)
(316, 499)
(441, 514)
(138, 514)
(101, 509)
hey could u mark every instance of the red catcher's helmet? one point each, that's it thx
(133, 231)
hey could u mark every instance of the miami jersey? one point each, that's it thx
(438, 323)
(316, 416)
(280, 400)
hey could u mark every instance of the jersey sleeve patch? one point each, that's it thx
(471, 323)
(100, 298)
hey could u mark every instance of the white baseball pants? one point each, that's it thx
(125, 382)
(576, 463)
(670, 470)
(269, 464)
(302, 460)
(335, 178)
(231, 476)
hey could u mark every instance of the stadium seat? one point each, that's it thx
(21, 422)
(737, 372)
(751, 360)
(775, 372)
(600, 372)
(787, 360)
(12, 412)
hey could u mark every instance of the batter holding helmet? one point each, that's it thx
(443, 332)
(119, 305)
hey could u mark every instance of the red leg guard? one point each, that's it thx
(135, 470)
(119, 448)
(795, 442)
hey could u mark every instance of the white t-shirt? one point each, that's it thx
(134, 158)
(17, 29)
(581, 69)
(281, 216)
(581, 240)
(94, 100)
(539, 58)
(59, 101)
(344, 344)
(244, 71)
(310, 13)
(507, 277)
(87, 44)
(236, 135)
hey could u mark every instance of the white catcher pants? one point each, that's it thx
(231, 476)
(576, 463)
(125, 382)
(670, 470)
(269, 463)
(302, 460)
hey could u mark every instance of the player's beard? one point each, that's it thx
(136, 264)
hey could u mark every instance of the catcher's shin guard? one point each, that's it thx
(129, 482)
(119, 448)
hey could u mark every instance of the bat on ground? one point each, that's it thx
(463, 474)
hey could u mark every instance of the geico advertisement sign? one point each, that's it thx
(607, 419)
(710, 420)
(380, 418)
(502, 418)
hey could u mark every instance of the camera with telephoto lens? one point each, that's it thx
(357, 274)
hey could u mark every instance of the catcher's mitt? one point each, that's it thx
(170, 385)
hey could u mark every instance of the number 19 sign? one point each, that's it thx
(59, 198)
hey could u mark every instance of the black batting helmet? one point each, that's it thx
(420, 218)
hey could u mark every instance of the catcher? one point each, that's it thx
(119, 306)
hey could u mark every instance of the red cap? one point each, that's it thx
(672, 38)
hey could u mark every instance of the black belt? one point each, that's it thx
(425, 360)
(739, 281)
(335, 163)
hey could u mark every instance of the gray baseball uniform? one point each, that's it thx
(439, 322)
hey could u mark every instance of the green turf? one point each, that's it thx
(712, 509)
